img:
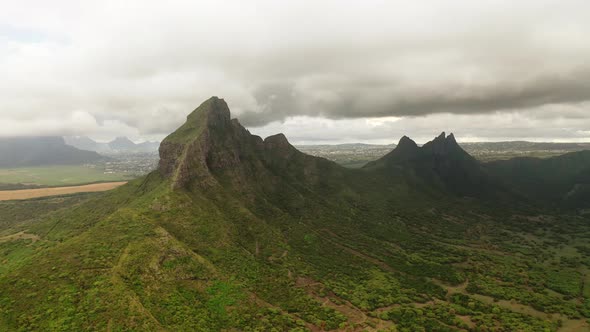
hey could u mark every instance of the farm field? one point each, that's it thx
(63, 175)
(7, 195)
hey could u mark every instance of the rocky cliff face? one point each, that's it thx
(191, 153)
(211, 148)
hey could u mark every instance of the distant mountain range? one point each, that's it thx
(119, 144)
(37, 151)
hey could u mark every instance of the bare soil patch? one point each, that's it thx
(9, 195)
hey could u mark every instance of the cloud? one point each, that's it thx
(77, 123)
(497, 126)
(144, 65)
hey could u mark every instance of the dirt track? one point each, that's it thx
(33, 193)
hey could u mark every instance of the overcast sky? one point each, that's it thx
(319, 71)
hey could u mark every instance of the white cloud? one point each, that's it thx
(75, 123)
(140, 66)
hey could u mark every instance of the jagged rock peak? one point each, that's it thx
(451, 139)
(440, 137)
(445, 147)
(407, 149)
(443, 137)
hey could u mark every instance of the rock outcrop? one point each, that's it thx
(211, 148)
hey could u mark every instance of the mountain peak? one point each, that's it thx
(279, 145)
(451, 138)
(121, 143)
(122, 139)
(406, 149)
(406, 142)
(211, 149)
(443, 145)
(440, 161)
(278, 140)
(213, 111)
(185, 154)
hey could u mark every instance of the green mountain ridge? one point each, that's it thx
(560, 181)
(236, 232)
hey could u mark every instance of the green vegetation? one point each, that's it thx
(58, 175)
(180, 262)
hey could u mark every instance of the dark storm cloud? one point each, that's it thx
(275, 101)
(278, 102)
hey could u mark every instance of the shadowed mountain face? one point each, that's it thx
(439, 163)
(38, 151)
(211, 148)
(233, 232)
(442, 152)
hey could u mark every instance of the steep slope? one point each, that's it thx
(233, 232)
(210, 149)
(37, 151)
